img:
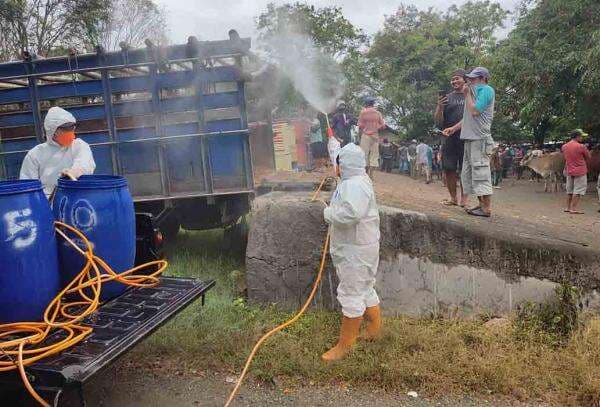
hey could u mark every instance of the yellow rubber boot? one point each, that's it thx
(373, 329)
(348, 334)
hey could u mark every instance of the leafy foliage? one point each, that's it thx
(41, 26)
(553, 321)
(548, 67)
(327, 26)
(416, 52)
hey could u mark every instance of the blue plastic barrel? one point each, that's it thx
(29, 276)
(101, 207)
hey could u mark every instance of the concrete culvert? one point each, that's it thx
(429, 265)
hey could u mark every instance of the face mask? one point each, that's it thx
(65, 138)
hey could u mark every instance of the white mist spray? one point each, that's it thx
(314, 74)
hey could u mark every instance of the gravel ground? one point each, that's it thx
(129, 385)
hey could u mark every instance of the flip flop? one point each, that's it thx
(448, 202)
(576, 213)
(471, 209)
(478, 212)
(566, 210)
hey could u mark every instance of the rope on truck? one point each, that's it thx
(66, 316)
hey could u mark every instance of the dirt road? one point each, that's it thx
(519, 207)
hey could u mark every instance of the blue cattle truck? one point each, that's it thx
(172, 120)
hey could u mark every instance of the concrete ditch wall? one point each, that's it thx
(429, 265)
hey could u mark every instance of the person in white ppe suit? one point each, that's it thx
(61, 155)
(353, 217)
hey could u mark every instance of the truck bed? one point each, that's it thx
(119, 325)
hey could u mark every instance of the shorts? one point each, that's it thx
(476, 175)
(452, 153)
(370, 146)
(576, 185)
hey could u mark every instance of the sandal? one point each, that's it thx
(478, 212)
(471, 209)
(448, 202)
(576, 213)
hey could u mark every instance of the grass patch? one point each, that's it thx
(432, 356)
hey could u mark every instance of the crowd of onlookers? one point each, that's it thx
(506, 160)
(463, 153)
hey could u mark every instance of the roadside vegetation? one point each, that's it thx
(545, 353)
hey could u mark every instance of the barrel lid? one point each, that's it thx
(20, 186)
(93, 182)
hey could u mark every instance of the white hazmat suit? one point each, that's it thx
(353, 217)
(47, 161)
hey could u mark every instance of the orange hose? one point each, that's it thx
(27, 348)
(293, 319)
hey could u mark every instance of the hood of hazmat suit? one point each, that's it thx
(353, 217)
(48, 160)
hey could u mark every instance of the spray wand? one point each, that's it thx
(329, 129)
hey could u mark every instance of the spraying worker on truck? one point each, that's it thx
(353, 217)
(61, 155)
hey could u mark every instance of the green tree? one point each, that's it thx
(413, 56)
(41, 26)
(326, 26)
(548, 67)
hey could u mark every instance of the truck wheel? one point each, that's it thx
(170, 228)
(236, 238)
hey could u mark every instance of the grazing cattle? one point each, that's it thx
(549, 166)
(594, 163)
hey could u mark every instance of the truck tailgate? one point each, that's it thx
(119, 325)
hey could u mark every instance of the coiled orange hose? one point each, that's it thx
(28, 347)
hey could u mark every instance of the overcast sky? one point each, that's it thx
(211, 19)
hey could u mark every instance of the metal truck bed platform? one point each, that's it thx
(119, 325)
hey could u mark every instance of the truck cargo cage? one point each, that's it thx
(172, 120)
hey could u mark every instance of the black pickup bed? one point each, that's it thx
(119, 325)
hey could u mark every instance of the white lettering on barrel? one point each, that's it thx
(83, 215)
(21, 229)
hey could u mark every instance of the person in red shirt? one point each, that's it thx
(576, 157)
(370, 122)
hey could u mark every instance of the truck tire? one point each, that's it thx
(170, 228)
(235, 238)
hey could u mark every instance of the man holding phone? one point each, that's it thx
(476, 132)
(449, 112)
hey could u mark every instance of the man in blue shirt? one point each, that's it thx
(475, 129)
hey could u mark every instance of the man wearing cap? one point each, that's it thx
(448, 112)
(61, 155)
(475, 128)
(576, 158)
(342, 123)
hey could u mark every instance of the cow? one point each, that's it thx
(594, 168)
(549, 166)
